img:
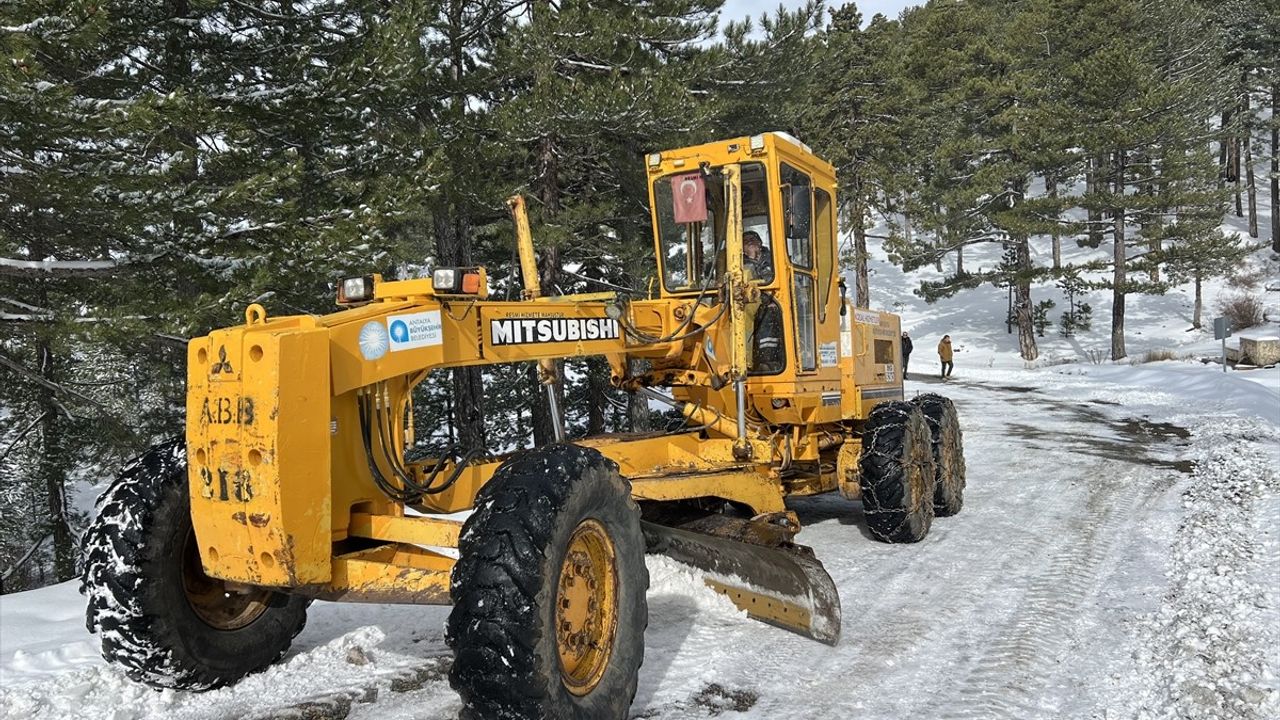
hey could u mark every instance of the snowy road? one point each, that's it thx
(1116, 558)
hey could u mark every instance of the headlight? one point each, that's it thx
(458, 281)
(356, 290)
(445, 281)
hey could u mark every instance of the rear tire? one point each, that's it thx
(549, 591)
(897, 473)
(948, 453)
(161, 619)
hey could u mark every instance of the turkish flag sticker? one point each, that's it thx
(690, 198)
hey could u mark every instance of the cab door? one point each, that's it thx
(797, 220)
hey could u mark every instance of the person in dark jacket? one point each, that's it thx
(906, 353)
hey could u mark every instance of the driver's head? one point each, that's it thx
(752, 245)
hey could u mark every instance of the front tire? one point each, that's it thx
(897, 473)
(161, 619)
(948, 453)
(549, 591)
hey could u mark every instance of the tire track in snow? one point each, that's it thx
(1004, 680)
(899, 618)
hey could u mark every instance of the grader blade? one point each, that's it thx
(782, 586)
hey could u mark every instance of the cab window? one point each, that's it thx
(824, 233)
(690, 211)
(797, 226)
(797, 206)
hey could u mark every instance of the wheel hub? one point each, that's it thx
(216, 604)
(586, 607)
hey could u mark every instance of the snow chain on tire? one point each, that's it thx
(948, 452)
(536, 523)
(897, 473)
(141, 568)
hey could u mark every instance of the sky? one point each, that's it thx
(736, 9)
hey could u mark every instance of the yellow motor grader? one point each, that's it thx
(292, 481)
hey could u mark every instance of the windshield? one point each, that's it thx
(691, 224)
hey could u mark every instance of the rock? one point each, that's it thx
(1260, 350)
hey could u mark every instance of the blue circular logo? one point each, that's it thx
(400, 331)
(373, 341)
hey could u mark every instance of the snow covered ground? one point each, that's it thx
(1117, 557)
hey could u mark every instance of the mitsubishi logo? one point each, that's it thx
(223, 365)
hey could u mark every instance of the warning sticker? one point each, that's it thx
(827, 355)
(414, 330)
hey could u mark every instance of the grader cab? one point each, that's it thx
(292, 482)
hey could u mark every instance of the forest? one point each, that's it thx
(165, 164)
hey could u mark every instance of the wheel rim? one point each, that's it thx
(212, 601)
(586, 607)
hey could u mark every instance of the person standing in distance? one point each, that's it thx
(944, 354)
(906, 353)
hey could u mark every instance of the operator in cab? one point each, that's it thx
(755, 259)
(764, 317)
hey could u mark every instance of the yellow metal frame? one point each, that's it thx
(282, 488)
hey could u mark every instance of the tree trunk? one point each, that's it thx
(453, 248)
(908, 231)
(1022, 300)
(861, 289)
(1224, 164)
(943, 236)
(543, 431)
(637, 404)
(1195, 313)
(179, 68)
(52, 457)
(1151, 222)
(53, 469)
(1051, 190)
(597, 394)
(1251, 185)
(959, 260)
(1275, 166)
(1093, 186)
(1235, 150)
(548, 184)
(453, 223)
(1119, 257)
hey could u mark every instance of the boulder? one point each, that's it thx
(1260, 349)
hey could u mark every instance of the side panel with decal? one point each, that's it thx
(517, 334)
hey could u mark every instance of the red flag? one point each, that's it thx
(690, 198)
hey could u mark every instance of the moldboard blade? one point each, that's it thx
(785, 587)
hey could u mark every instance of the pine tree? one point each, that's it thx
(983, 87)
(80, 247)
(855, 118)
(589, 89)
(1141, 99)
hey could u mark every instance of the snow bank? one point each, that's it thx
(352, 666)
(1205, 646)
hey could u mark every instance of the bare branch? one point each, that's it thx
(21, 561)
